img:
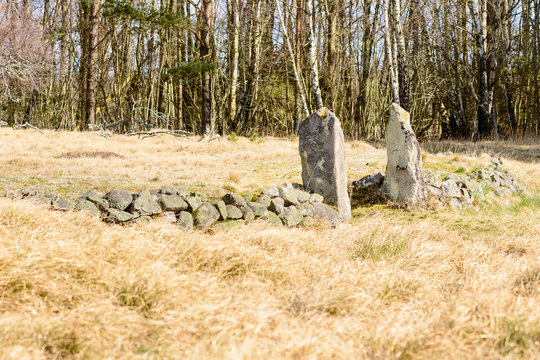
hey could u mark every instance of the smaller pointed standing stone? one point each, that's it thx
(403, 180)
(323, 159)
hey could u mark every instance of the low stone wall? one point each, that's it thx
(455, 190)
(287, 205)
(467, 190)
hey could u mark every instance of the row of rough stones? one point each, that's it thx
(288, 205)
(460, 190)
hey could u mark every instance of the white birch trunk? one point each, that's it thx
(389, 53)
(313, 56)
(291, 53)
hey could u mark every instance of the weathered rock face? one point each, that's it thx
(185, 220)
(88, 206)
(172, 203)
(403, 180)
(119, 199)
(234, 199)
(145, 204)
(264, 200)
(233, 212)
(118, 216)
(368, 181)
(325, 212)
(206, 215)
(222, 208)
(63, 204)
(323, 160)
(292, 216)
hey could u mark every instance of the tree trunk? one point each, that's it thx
(293, 60)
(298, 94)
(390, 55)
(484, 109)
(535, 76)
(508, 92)
(91, 59)
(235, 52)
(365, 64)
(207, 25)
(180, 51)
(403, 71)
(312, 56)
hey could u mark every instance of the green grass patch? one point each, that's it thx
(517, 336)
(527, 201)
(377, 250)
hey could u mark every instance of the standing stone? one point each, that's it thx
(403, 180)
(323, 159)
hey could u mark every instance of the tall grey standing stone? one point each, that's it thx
(403, 180)
(323, 159)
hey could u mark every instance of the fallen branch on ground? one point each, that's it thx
(145, 134)
(27, 125)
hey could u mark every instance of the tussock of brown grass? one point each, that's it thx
(392, 284)
(89, 154)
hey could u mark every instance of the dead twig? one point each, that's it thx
(25, 126)
(145, 134)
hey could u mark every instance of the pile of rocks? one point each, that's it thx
(287, 205)
(466, 190)
(457, 190)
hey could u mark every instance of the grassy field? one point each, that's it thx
(392, 284)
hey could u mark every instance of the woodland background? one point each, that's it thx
(463, 68)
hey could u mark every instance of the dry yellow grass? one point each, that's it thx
(392, 284)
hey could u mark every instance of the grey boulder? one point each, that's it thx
(291, 216)
(233, 212)
(118, 216)
(185, 220)
(145, 204)
(234, 199)
(88, 206)
(205, 215)
(119, 199)
(258, 209)
(172, 203)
